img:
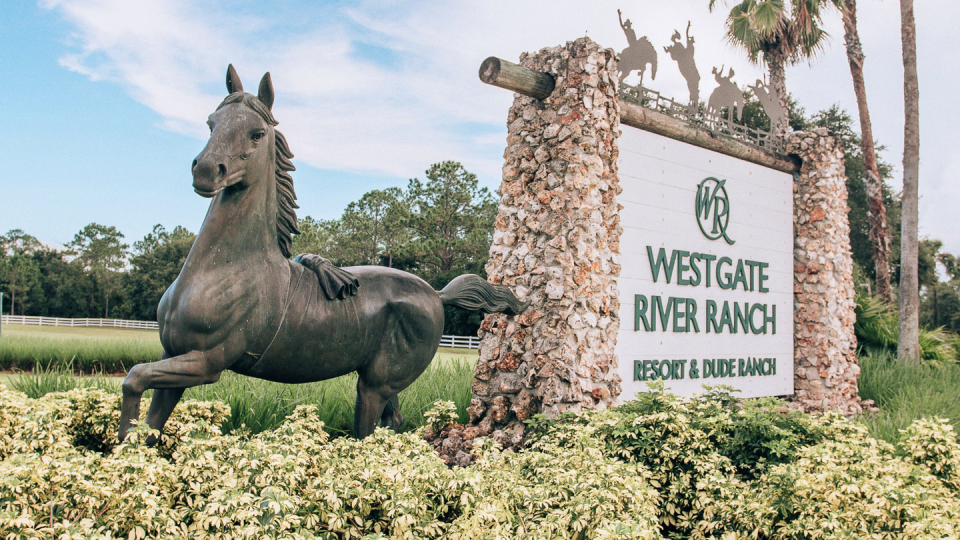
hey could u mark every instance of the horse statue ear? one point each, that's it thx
(233, 80)
(265, 94)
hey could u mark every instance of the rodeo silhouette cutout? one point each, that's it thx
(726, 95)
(688, 68)
(638, 54)
(771, 105)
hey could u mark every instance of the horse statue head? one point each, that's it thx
(244, 149)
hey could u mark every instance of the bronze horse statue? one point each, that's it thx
(241, 304)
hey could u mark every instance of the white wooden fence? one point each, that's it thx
(460, 342)
(57, 321)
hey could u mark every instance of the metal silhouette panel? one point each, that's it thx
(683, 55)
(723, 111)
(638, 55)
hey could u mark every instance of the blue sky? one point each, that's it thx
(105, 100)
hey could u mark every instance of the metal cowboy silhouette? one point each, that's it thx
(726, 95)
(771, 105)
(688, 68)
(638, 54)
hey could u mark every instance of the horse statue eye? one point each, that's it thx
(257, 136)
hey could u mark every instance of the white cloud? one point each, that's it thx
(343, 111)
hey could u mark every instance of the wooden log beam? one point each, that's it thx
(499, 72)
(528, 82)
(639, 117)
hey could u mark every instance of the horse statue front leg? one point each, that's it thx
(169, 377)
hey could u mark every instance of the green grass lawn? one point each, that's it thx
(106, 350)
(66, 332)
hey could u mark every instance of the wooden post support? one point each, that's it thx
(535, 84)
(514, 77)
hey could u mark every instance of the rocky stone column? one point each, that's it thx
(556, 244)
(825, 362)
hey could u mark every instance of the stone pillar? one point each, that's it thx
(556, 244)
(825, 361)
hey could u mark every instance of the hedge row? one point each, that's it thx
(659, 467)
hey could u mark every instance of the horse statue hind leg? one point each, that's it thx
(241, 304)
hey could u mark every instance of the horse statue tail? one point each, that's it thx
(472, 292)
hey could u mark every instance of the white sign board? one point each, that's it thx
(706, 286)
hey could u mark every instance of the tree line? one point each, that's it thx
(437, 228)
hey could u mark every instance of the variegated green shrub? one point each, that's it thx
(729, 470)
(292, 482)
(659, 467)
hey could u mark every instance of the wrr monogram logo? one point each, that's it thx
(713, 209)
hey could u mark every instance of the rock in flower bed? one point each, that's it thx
(659, 467)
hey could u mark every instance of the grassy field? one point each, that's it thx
(903, 393)
(105, 350)
(257, 405)
(88, 350)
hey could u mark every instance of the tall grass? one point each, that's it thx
(258, 405)
(262, 405)
(86, 355)
(905, 392)
(59, 378)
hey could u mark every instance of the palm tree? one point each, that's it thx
(777, 33)
(908, 348)
(877, 215)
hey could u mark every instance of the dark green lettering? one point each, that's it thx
(694, 371)
(678, 315)
(696, 270)
(740, 317)
(772, 319)
(712, 317)
(740, 277)
(724, 284)
(725, 319)
(763, 277)
(663, 311)
(681, 267)
(640, 313)
(661, 263)
(753, 266)
(707, 257)
(753, 309)
(691, 310)
(666, 370)
(638, 370)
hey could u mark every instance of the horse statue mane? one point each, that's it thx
(286, 196)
